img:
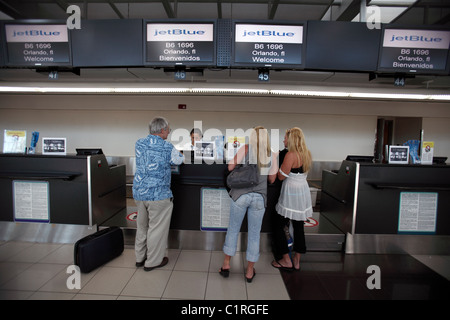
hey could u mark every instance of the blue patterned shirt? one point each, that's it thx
(154, 156)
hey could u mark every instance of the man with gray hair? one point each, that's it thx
(151, 191)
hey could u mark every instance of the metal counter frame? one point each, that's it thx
(363, 200)
(84, 192)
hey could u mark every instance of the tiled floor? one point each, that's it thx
(336, 276)
(39, 271)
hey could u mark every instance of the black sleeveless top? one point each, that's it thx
(297, 170)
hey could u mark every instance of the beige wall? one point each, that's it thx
(333, 128)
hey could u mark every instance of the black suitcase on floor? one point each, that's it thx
(98, 248)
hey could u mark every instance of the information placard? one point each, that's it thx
(31, 201)
(185, 44)
(204, 150)
(416, 51)
(14, 141)
(215, 209)
(35, 45)
(263, 45)
(426, 156)
(418, 211)
(398, 154)
(55, 146)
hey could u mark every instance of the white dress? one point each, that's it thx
(295, 197)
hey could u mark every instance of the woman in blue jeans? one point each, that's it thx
(250, 200)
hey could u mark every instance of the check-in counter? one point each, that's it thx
(63, 189)
(389, 208)
(202, 206)
(201, 201)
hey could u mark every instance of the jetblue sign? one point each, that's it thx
(37, 45)
(423, 51)
(424, 39)
(36, 33)
(268, 45)
(269, 33)
(180, 44)
(180, 32)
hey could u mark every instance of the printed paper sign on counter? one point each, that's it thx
(427, 152)
(15, 141)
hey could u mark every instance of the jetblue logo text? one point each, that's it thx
(178, 32)
(415, 38)
(35, 33)
(268, 33)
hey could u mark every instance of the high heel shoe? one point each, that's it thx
(224, 272)
(249, 280)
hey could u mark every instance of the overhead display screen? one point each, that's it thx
(342, 46)
(36, 45)
(108, 43)
(414, 51)
(268, 46)
(172, 44)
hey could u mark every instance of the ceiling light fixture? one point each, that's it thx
(225, 91)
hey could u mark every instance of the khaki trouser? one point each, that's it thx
(153, 222)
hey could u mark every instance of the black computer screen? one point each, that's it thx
(341, 46)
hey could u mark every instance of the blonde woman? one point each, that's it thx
(294, 204)
(251, 200)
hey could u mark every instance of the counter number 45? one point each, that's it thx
(263, 75)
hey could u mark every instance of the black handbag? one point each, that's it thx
(243, 176)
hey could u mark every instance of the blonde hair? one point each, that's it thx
(260, 147)
(297, 144)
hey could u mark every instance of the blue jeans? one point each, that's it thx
(254, 202)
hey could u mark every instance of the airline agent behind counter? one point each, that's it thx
(189, 148)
